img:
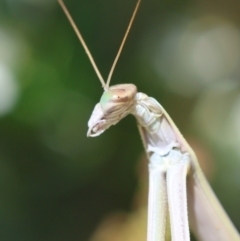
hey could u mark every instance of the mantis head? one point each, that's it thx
(115, 103)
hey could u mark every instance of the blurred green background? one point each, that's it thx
(57, 184)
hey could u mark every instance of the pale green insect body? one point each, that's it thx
(177, 185)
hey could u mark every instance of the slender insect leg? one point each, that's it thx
(177, 195)
(157, 199)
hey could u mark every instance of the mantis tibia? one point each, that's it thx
(177, 186)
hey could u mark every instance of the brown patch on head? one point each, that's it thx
(118, 98)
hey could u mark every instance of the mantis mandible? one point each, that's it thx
(177, 187)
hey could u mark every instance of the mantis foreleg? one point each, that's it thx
(177, 197)
(157, 201)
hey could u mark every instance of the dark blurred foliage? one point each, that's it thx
(57, 184)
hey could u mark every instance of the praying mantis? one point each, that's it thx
(178, 190)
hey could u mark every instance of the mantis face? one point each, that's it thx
(114, 104)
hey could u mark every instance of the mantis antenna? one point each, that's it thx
(122, 44)
(105, 85)
(82, 42)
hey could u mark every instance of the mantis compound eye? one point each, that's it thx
(117, 98)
